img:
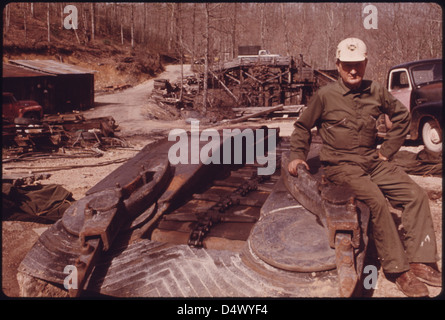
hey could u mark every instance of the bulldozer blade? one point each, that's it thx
(55, 249)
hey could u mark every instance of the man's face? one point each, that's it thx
(352, 72)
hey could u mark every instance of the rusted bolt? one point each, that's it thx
(346, 242)
(324, 181)
(347, 261)
(79, 264)
(86, 248)
(88, 211)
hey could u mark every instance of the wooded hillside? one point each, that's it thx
(399, 31)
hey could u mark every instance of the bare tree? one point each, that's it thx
(25, 27)
(122, 26)
(62, 15)
(7, 12)
(234, 29)
(263, 25)
(193, 33)
(93, 24)
(206, 54)
(286, 29)
(48, 22)
(132, 25)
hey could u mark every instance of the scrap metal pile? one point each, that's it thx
(179, 95)
(54, 132)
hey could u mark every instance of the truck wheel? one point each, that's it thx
(432, 136)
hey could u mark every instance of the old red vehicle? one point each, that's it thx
(21, 109)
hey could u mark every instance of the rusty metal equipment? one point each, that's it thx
(345, 218)
(300, 227)
(59, 131)
(90, 226)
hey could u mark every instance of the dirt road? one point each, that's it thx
(134, 112)
(132, 108)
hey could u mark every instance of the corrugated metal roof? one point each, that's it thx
(52, 66)
(13, 71)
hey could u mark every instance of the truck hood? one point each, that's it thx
(27, 103)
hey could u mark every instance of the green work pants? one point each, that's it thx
(374, 184)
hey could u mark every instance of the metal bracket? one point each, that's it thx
(342, 219)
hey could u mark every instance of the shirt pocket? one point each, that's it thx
(339, 134)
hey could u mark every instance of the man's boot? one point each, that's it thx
(408, 283)
(427, 274)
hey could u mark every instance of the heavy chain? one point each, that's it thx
(216, 213)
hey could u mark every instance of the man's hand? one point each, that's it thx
(292, 166)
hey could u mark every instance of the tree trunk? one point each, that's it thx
(171, 30)
(85, 24)
(122, 26)
(62, 14)
(25, 23)
(7, 17)
(234, 23)
(263, 27)
(93, 27)
(48, 24)
(206, 55)
(193, 33)
(132, 25)
(122, 34)
(286, 31)
(179, 30)
(144, 33)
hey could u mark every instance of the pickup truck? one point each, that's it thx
(22, 110)
(260, 54)
(418, 85)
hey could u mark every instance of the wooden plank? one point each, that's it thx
(275, 77)
(261, 113)
(255, 109)
(233, 78)
(252, 77)
(224, 86)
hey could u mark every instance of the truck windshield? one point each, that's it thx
(427, 73)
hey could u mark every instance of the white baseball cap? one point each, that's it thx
(351, 50)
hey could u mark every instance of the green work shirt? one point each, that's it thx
(346, 121)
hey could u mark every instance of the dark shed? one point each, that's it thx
(71, 88)
(28, 84)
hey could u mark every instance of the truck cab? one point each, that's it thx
(418, 85)
(266, 53)
(14, 110)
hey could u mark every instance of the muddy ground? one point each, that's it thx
(140, 122)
